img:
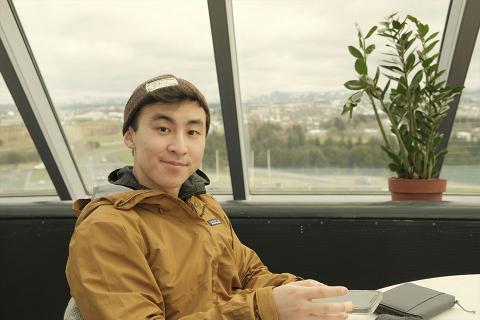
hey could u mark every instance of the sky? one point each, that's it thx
(93, 50)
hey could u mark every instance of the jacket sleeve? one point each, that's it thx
(109, 277)
(255, 275)
(108, 273)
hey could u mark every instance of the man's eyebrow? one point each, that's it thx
(159, 116)
(195, 121)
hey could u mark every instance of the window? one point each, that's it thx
(462, 163)
(21, 170)
(92, 57)
(291, 80)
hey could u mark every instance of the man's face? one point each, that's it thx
(168, 144)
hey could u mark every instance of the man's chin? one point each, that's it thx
(170, 184)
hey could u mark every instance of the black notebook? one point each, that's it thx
(413, 300)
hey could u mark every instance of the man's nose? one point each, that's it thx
(177, 144)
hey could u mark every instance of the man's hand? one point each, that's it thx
(294, 301)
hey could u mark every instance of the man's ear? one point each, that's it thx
(129, 138)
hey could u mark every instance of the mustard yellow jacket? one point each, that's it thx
(143, 254)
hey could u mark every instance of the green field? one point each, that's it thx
(98, 148)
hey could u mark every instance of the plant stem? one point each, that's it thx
(426, 168)
(401, 145)
(387, 144)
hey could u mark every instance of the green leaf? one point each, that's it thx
(396, 165)
(386, 35)
(403, 82)
(361, 43)
(355, 52)
(391, 77)
(377, 75)
(390, 54)
(351, 103)
(430, 46)
(433, 35)
(439, 85)
(376, 92)
(361, 66)
(416, 79)
(346, 108)
(420, 54)
(407, 35)
(370, 49)
(422, 29)
(409, 44)
(392, 15)
(393, 68)
(398, 89)
(359, 31)
(430, 70)
(441, 154)
(385, 89)
(410, 62)
(357, 96)
(437, 75)
(395, 168)
(370, 32)
(354, 85)
(412, 18)
(396, 24)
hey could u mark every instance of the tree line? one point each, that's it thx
(291, 147)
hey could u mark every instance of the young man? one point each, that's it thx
(163, 248)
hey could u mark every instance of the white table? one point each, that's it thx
(465, 288)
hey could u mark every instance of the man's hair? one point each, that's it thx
(164, 89)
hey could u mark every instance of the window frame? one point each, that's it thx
(28, 90)
(23, 78)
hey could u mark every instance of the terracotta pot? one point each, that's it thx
(417, 189)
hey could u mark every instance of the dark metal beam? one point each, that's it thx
(221, 23)
(28, 116)
(463, 43)
(28, 90)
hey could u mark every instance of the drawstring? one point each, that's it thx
(469, 311)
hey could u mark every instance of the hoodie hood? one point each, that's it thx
(121, 200)
(126, 189)
(124, 177)
(194, 185)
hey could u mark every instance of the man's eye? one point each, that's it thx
(193, 132)
(163, 129)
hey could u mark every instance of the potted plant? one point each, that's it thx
(414, 98)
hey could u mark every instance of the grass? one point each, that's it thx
(111, 150)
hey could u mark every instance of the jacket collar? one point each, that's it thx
(120, 200)
(194, 185)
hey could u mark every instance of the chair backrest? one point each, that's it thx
(72, 312)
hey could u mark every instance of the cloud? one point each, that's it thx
(105, 48)
(110, 47)
(302, 45)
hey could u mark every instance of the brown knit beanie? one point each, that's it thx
(166, 89)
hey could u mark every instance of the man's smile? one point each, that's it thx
(175, 163)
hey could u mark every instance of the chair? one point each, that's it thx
(72, 312)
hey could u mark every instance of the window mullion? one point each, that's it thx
(24, 80)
